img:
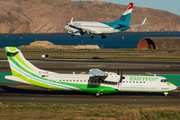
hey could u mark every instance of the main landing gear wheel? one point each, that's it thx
(103, 37)
(98, 94)
(91, 37)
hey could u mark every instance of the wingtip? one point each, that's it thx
(144, 21)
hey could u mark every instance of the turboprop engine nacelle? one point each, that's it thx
(112, 77)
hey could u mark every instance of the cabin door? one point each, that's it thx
(119, 85)
(50, 83)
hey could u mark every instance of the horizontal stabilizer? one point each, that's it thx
(14, 78)
(12, 50)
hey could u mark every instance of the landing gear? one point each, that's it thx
(103, 37)
(98, 94)
(165, 93)
(91, 37)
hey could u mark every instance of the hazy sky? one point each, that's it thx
(168, 5)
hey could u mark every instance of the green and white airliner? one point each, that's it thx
(96, 81)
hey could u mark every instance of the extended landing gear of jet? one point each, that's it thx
(103, 37)
(91, 37)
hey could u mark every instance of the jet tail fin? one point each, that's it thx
(126, 16)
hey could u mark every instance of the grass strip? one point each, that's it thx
(88, 111)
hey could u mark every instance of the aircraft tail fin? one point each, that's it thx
(126, 16)
(18, 63)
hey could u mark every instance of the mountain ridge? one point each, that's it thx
(50, 16)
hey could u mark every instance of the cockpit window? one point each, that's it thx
(164, 80)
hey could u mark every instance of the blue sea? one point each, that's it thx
(115, 41)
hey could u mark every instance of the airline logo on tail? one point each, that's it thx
(129, 9)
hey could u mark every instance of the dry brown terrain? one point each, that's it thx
(50, 16)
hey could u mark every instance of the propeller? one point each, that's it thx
(121, 77)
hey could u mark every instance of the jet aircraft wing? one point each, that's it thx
(85, 30)
(97, 73)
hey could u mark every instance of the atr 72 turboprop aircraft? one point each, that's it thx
(100, 28)
(97, 81)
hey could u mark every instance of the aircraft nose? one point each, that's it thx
(175, 87)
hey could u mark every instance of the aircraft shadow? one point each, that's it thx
(14, 90)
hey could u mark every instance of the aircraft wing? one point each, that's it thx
(97, 73)
(85, 30)
(140, 24)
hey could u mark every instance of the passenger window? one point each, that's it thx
(99, 81)
(136, 81)
(130, 82)
(60, 80)
(84, 80)
(123, 81)
(73, 80)
(77, 80)
(164, 80)
(133, 81)
(126, 81)
(66, 80)
(144, 82)
(80, 80)
(140, 82)
(63, 80)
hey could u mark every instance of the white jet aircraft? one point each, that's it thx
(97, 81)
(100, 28)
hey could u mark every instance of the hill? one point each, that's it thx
(50, 16)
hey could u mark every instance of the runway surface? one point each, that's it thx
(18, 92)
(83, 65)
